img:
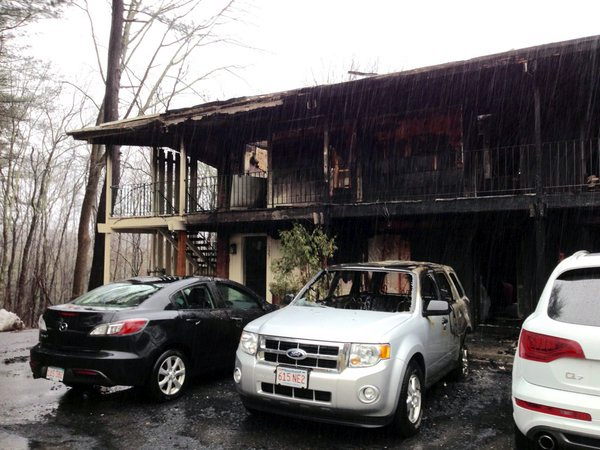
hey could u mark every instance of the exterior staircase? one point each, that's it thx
(201, 250)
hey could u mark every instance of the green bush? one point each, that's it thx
(303, 253)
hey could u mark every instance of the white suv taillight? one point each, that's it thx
(121, 328)
(544, 348)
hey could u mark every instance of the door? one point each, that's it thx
(437, 330)
(456, 319)
(242, 308)
(255, 264)
(204, 326)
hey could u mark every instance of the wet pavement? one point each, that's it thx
(470, 414)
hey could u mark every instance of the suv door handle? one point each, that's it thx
(444, 322)
(238, 320)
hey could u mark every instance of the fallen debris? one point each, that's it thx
(10, 321)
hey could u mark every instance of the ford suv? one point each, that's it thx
(357, 345)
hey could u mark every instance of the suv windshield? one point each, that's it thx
(367, 290)
(574, 298)
(120, 295)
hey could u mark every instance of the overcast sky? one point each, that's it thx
(303, 42)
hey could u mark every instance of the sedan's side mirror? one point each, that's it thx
(437, 308)
(287, 299)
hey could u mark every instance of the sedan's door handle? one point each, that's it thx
(196, 321)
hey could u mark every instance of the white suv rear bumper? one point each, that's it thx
(532, 422)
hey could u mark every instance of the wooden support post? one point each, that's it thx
(181, 166)
(181, 178)
(155, 153)
(181, 261)
(169, 265)
(160, 247)
(108, 217)
(222, 254)
(540, 213)
(328, 182)
(160, 187)
(171, 202)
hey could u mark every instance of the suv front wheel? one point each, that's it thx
(409, 412)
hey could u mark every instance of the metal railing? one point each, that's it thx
(567, 166)
(143, 200)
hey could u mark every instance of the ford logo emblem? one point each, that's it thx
(62, 326)
(296, 353)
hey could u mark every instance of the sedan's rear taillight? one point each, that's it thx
(544, 348)
(121, 328)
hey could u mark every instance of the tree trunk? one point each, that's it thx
(88, 205)
(111, 112)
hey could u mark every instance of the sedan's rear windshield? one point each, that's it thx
(120, 295)
(575, 297)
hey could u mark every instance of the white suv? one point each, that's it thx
(556, 372)
(358, 345)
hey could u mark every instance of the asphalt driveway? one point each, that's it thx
(471, 414)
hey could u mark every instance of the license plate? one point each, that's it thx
(55, 373)
(288, 376)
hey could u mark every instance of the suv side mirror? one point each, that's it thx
(436, 308)
(287, 299)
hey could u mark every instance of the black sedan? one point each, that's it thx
(146, 331)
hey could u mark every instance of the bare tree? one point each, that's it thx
(171, 34)
(36, 156)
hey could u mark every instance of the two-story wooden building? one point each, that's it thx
(490, 165)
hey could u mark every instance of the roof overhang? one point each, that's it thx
(166, 129)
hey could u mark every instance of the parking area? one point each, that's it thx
(470, 414)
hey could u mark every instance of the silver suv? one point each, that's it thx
(357, 345)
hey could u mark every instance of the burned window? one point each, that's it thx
(444, 286)
(429, 289)
(457, 284)
(256, 159)
(383, 291)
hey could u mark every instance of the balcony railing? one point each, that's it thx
(567, 166)
(144, 199)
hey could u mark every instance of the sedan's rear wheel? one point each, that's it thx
(409, 412)
(169, 376)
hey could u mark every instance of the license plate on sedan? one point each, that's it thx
(55, 373)
(288, 376)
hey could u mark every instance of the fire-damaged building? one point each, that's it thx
(490, 165)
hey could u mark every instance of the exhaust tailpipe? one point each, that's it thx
(546, 441)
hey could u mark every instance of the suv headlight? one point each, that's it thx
(249, 342)
(367, 355)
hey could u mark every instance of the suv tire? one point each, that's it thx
(407, 420)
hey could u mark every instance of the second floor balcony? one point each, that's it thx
(566, 167)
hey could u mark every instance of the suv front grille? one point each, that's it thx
(293, 392)
(319, 355)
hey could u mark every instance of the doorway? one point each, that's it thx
(255, 264)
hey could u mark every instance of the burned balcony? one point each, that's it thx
(572, 166)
